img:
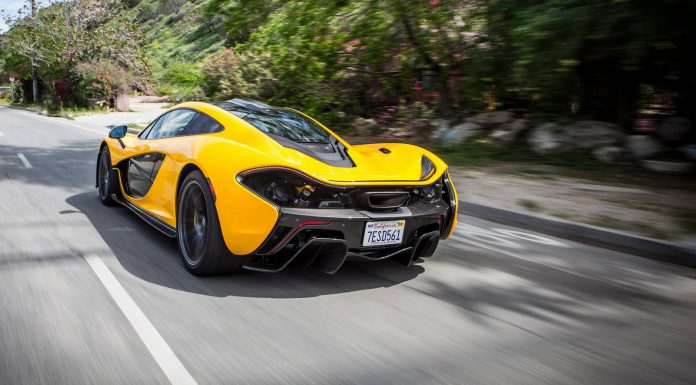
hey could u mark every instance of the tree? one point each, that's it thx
(592, 55)
(354, 55)
(59, 37)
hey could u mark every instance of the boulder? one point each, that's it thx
(364, 126)
(548, 138)
(441, 126)
(122, 102)
(675, 129)
(643, 146)
(459, 133)
(589, 134)
(492, 119)
(401, 131)
(509, 132)
(610, 154)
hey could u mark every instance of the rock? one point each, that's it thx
(548, 138)
(610, 154)
(667, 167)
(643, 146)
(441, 127)
(365, 126)
(401, 131)
(122, 102)
(492, 119)
(420, 124)
(588, 134)
(507, 133)
(675, 129)
(459, 133)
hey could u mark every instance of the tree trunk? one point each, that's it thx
(440, 73)
(34, 82)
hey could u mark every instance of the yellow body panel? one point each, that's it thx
(245, 219)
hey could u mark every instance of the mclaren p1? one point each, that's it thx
(245, 185)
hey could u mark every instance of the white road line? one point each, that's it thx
(24, 160)
(158, 347)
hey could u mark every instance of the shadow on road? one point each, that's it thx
(75, 160)
(565, 295)
(153, 257)
(468, 281)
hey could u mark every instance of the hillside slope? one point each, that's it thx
(178, 35)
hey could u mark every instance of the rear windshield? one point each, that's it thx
(279, 122)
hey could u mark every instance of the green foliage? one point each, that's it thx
(181, 73)
(555, 59)
(52, 103)
(219, 67)
(481, 152)
(98, 83)
(227, 76)
(352, 56)
(181, 93)
(589, 57)
(61, 38)
(16, 95)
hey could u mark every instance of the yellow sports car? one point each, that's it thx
(245, 185)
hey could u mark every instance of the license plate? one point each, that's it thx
(384, 233)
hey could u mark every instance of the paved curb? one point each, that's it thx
(597, 236)
(38, 111)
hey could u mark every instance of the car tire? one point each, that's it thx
(107, 182)
(202, 247)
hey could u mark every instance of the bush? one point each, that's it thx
(219, 67)
(98, 83)
(184, 93)
(182, 74)
(16, 95)
(227, 75)
(52, 103)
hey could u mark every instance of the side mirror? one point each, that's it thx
(118, 132)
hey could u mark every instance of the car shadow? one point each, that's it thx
(150, 255)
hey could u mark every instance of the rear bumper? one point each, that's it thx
(326, 238)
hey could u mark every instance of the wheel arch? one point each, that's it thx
(187, 169)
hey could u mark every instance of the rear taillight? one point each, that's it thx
(288, 188)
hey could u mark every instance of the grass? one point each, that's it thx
(135, 125)
(561, 215)
(535, 174)
(687, 220)
(529, 204)
(575, 165)
(84, 110)
(481, 152)
(65, 110)
(28, 106)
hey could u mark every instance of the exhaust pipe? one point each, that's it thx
(424, 248)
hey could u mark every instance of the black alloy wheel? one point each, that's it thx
(106, 179)
(201, 244)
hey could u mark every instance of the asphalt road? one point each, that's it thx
(92, 295)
